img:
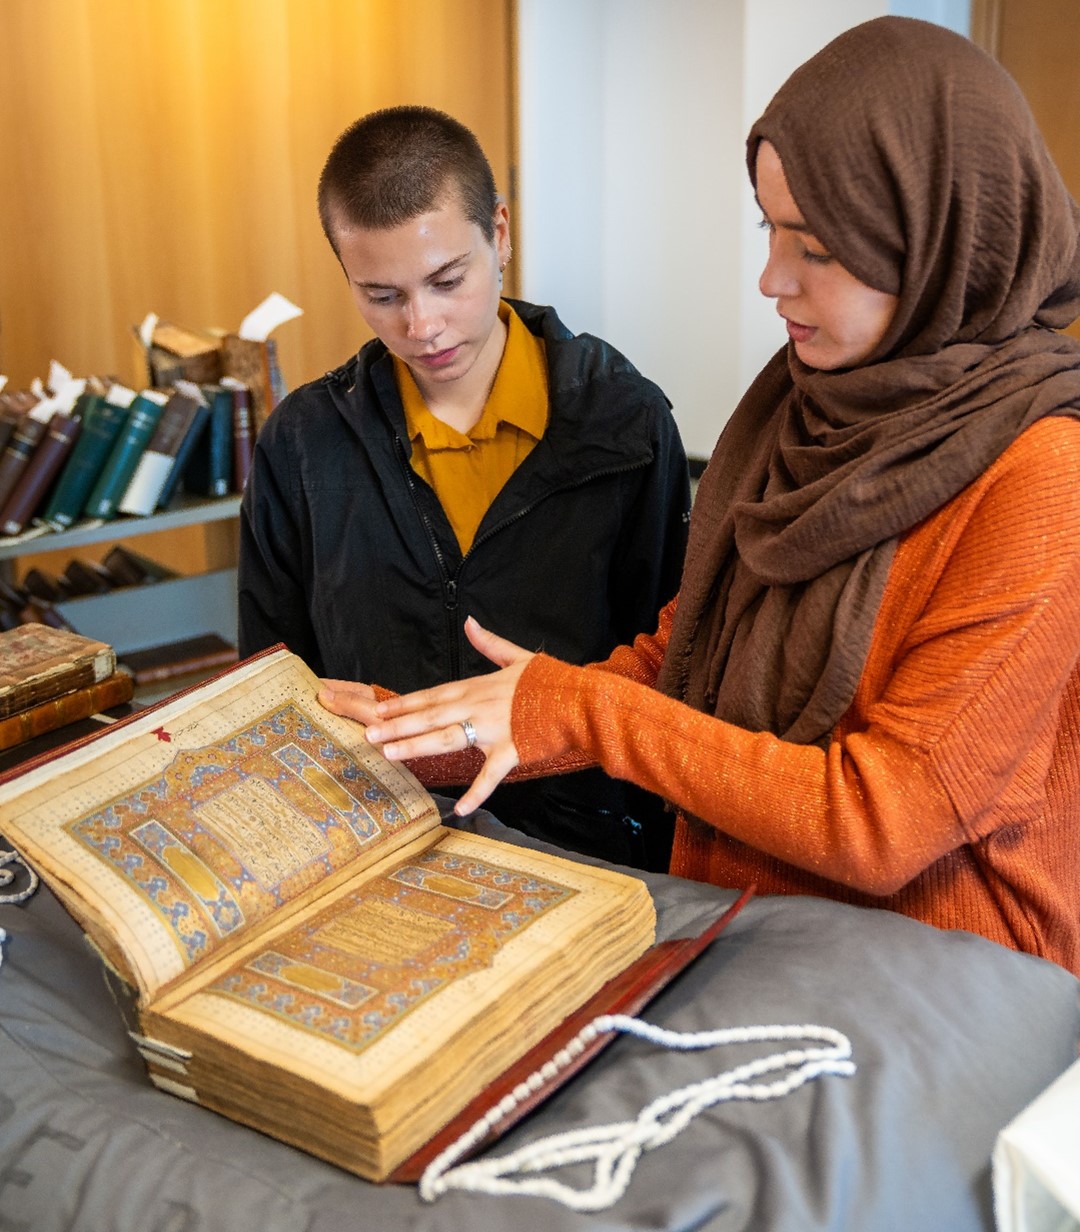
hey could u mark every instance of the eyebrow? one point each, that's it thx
(803, 228)
(433, 276)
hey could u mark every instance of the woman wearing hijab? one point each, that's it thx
(868, 687)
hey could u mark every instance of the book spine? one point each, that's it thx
(17, 454)
(243, 438)
(210, 471)
(102, 422)
(142, 493)
(221, 446)
(184, 454)
(248, 361)
(10, 419)
(144, 489)
(48, 716)
(124, 457)
(33, 692)
(42, 469)
(130, 568)
(164, 662)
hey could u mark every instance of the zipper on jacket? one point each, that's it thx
(449, 580)
(449, 583)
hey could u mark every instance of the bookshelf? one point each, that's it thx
(134, 617)
(186, 511)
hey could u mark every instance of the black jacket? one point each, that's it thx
(347, 557)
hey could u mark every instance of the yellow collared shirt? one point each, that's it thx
(468, 470)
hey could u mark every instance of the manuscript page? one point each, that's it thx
(176, 832)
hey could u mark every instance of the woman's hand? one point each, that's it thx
(349, 699)
(433, 721)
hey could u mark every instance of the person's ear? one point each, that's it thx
(501, 235)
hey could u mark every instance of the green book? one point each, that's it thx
(102, 419)
(112, 482)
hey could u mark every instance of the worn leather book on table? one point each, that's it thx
(179, 658)
(70, 707)
(38, 662)
(308, 950)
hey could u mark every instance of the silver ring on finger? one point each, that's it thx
(470, 732)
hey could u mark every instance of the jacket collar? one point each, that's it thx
(596, 422)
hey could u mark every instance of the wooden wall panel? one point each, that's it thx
(1038, 42)
(164, 156)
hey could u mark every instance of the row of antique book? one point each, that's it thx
(34, 599)
(104, 450)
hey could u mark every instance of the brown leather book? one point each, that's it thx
(33, 484)
(38, 663)
(13, 596)
(12, 601)
(11, 416)
(41, 612)
(183, 354)
(18, 452)
(250, 362)
(68, 708)
(129, 568)
(87, 577)
(41, 584)
(190, 654)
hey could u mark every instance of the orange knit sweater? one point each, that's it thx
(951, 789)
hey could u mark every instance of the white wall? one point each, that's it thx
(636, 218)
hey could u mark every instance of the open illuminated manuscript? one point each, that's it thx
(309, 951)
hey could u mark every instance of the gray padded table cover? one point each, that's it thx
(952, 1036)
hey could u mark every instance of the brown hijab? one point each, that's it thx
(916, 162)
